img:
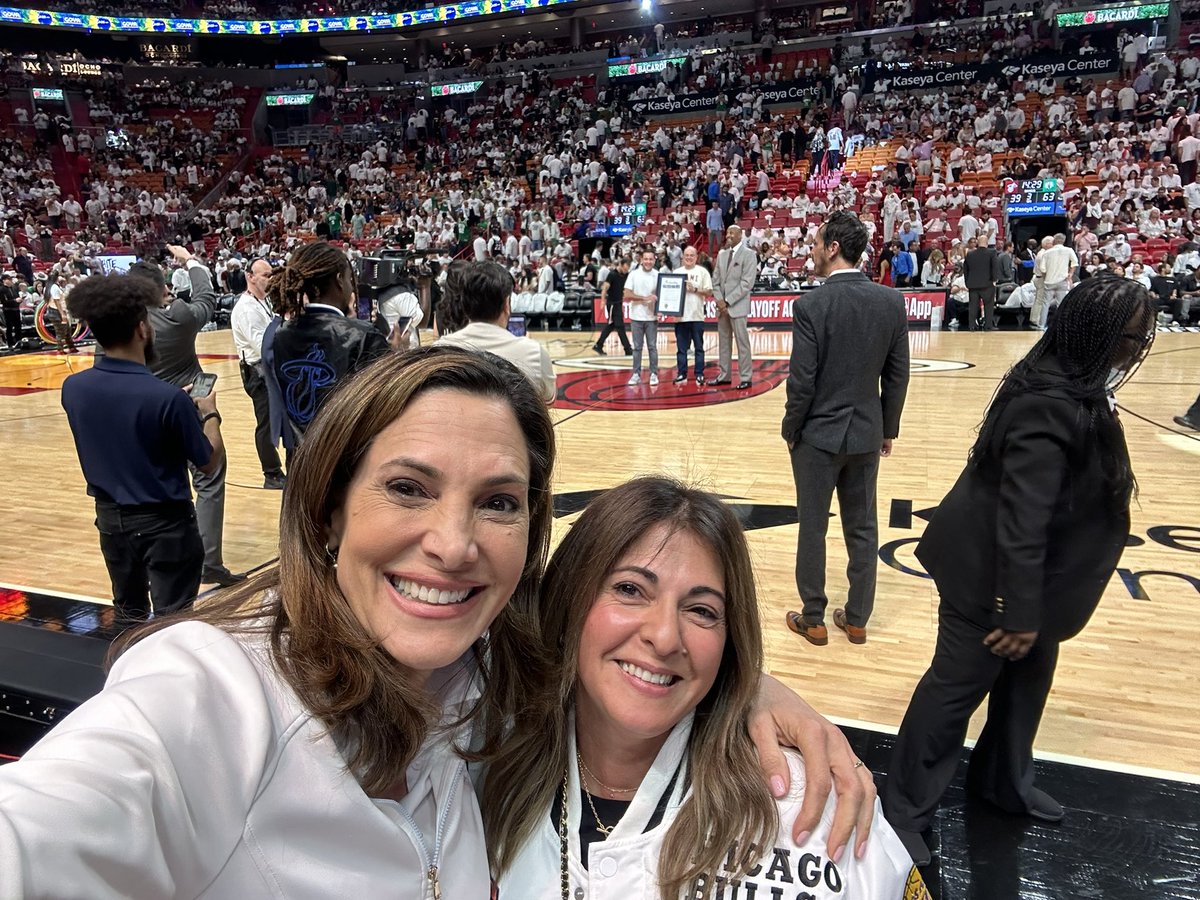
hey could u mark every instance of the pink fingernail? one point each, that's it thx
(777, 786)
(803, 838)
(839, 853)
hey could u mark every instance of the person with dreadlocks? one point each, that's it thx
(317, 344)
(1021, 550)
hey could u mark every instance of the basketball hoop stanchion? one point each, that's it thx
(46, 332)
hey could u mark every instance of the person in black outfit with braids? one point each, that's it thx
(1021, 550)
(317, 345)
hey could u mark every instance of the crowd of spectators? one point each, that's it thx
(532, 163)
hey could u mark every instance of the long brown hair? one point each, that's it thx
(729, 804)
(370, 703)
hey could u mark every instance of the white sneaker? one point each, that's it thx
(635, 378)
(653, 379)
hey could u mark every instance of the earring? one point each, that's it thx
(332, 553)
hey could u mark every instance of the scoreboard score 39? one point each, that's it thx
(1037, 197)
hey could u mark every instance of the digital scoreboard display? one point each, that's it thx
(1039, 197)
(623, 219)
(290, 99)
(644, 67)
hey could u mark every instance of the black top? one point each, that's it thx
(1027, 539)
(616, 285)
(315, 351)
(134, 433)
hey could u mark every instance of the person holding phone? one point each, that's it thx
(135, 435)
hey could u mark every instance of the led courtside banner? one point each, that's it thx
(448, 13)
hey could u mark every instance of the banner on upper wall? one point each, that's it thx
(799, 91)
(328, 25)
(882, 80)
(1138, 12)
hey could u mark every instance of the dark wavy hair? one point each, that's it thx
(1092, 333)
(308, 273)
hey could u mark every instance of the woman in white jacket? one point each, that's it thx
(650, 618)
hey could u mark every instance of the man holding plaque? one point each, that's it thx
(641, 292)
(689, 330)
(733, 278)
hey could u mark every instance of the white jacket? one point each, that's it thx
(197, 773)
(625, 865)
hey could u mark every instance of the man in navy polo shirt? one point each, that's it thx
(135, 436)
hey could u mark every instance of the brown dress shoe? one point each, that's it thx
(853, 632)
(814, 634)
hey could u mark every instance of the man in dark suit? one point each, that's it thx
(981, 272)
(847, 336)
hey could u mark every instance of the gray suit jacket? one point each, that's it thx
(733, 278)
(848, 336)
(175, 329)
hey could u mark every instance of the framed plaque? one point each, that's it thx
(672, 289)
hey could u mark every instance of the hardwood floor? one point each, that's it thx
(1125, 692)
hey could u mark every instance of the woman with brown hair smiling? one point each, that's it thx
(633, 775)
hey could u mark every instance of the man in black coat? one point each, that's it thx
(847, 336)
(10, 301)
(1021, 550)
(981, 272)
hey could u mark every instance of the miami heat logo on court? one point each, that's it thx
(605, 388)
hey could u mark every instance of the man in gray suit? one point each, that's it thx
(733, 278)
(847, 336)
(176, 324)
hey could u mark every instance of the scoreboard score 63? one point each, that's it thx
(1039, 190)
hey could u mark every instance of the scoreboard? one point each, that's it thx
(625, 218)
(1039, 197)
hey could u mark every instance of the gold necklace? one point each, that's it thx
(592, 775)
(605, 830)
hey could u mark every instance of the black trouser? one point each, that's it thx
(616, 322)
(962, 673)
(1194, 412)
(985, 297)
(854, 476)
(12, 327)
(256, 387)
(154, 556)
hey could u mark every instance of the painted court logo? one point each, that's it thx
(606, 388)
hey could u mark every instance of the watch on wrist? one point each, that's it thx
(212, 415)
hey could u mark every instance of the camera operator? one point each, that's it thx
(135, 435)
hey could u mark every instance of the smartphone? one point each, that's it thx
(516, 326)
(203, 385)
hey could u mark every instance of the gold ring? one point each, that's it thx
(859, 764)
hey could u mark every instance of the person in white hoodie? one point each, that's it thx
(631, 777)
(286, 739)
